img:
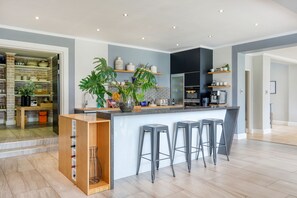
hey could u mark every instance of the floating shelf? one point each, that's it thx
(35, 95)
(218, 72)
(31, 67)
(23, 81)
(220, 86)
(126, 71)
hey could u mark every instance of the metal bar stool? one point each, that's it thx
(154, 130)
(187, 148)
(212, 123)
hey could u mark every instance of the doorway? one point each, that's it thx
(27, 72)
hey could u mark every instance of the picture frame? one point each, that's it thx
(273, 87)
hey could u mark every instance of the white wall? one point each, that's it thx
(85, 51)
(222, 56)
(257, 87)
(292, 94)
(280, 100)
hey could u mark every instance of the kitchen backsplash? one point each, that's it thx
(160, 92)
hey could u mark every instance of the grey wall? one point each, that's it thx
(140, 56)
(280, 100)
(47, 40)
(237, 64)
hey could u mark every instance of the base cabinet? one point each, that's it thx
(77, 134)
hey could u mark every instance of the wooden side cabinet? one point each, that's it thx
(77, 133)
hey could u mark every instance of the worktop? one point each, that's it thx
(95, 109)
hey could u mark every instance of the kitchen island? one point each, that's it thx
(124, 133)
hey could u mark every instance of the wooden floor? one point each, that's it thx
(256, 169)
(279, 134)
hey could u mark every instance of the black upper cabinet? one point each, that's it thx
(194, 60)
(192, 79)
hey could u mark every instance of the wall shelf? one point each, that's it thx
(220, 86)
(126, 71)
(218, 72)
(35, 95)
(23, 81)
(31, 67)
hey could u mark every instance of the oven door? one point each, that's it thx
(192, 93)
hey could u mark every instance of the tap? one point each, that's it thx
(85, 101)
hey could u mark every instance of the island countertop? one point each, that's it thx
(107, 114)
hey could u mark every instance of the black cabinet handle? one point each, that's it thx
(73, 136)
(72, 146)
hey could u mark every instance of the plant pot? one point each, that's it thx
(126, 105)
(25, 101)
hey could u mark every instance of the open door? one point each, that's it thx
(56, 93)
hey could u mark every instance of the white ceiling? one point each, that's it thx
(195, 20)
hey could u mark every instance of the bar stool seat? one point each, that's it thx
(212, 123)
(154, 130)
(188, 127)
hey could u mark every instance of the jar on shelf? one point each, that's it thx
(154, 69)
(130, 67)
(119, 64)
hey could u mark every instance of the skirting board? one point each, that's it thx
(239, 136)
(284, 123)
(262, 131)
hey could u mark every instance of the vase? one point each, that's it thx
(95, 169)
(25, 101)
(119, 64)
(126, 105)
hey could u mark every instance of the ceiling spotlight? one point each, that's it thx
(37, 17)
(221, 11)
(142, 38)
(174, 27)
(256, 24)
(177, 44)
(210, 36)
(98, 30)
(125, 14)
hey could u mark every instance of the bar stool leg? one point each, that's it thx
(174, 141)
(189, 146)
(170, 153)
(158, 151)
(214, 143)
(185, 143)
(154, 135)
(225, 142)
(140, 146)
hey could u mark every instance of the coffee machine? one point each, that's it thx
(218, 97)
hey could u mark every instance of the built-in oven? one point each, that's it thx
(192, 96)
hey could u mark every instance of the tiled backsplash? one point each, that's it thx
(160, 92)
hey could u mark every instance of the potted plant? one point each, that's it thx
(127, 95)
(26, 92)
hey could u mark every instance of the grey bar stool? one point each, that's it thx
(187, 148)
(212, 123)
(154, 130)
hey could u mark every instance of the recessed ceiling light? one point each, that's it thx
(174, 27)
(125, 14)
(256, 24)
(210, 36)
(177, 44)
(221, 11)
(142, 38)
(37, 17)
(98, 30)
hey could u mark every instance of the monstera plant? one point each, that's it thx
(103, 75)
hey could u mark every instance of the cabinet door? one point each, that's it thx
(176, 63)
(192, 79)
